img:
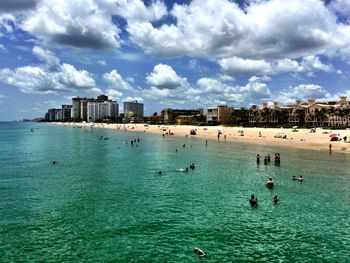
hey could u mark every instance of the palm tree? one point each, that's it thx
(266, 114)
(321, 114)
(254, 113)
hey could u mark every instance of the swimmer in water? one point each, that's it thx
(270, 183)
(199, 252)
(160, 173)
(253, 201)
(300, 179)
(275, 199)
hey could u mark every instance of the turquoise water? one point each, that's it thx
(104, 202)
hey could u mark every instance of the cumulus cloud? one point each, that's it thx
(239, 66)
(136, 10)
(7, 22)
(117, 85)
(45, 79)
(340, 6)
(166, 84)
(264, 30)
(46, 55)
(164, 77)
(79, 23)
(302, 92)
(131, 99)
(115, 81)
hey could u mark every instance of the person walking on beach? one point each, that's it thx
(330, 148)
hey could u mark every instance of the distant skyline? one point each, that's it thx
(182, 54)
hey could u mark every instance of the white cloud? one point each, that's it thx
(2, 47)
(80, 23)
(264, 30)
(340, 6)
(117, 85)
(45, 78)
(235, 65)
(45, 55)
(307, 65)
(302, 92)
(167, 85)
(102, 62)
(8, 22)
(115, 81)
(136, 10)
(130, 99)
(164, 77)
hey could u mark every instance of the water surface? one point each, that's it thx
(104, 202)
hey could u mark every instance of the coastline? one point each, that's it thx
(302, 138)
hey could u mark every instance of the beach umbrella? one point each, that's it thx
(295, 127)
(240, 131)
(332, 135)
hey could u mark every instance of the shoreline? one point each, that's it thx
(302, 138)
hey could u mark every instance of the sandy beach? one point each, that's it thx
(301, 138)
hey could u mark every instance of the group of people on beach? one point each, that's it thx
(267, 159)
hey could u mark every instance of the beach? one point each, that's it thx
(297, 138)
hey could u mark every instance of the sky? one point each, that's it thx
(179, 54)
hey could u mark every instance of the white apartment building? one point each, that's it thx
(102, 110)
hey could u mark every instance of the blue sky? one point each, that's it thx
(182, 54)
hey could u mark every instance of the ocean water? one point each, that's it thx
(104, 202)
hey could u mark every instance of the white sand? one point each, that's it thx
(301, 139)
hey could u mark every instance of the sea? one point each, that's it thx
(104, 200)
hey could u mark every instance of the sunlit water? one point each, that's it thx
(104, 202)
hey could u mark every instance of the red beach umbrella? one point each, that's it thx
(332, 135)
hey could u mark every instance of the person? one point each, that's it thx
(268, 158)
(206, 143)
(260, 134)
(300, 179)
(183, 145)
(199, 252)
(345, 138)
(330, 147)
(160, 173)
(225, 136)
(275, 199)
(253, 201)
(163, 135)
(54, 162)
(186, 170)
(192, 166)
(175, 150)
(294, 178)
(258, 158)
(270, 183)
(265, 160)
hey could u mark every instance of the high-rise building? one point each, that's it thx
(55, 114)
(133, 109)
(66, 112)
(80, 107)
(102, 110)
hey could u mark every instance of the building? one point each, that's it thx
(216, 114)
(54, 115)
(133, 109)
(98, 111)
(190, 119)
(80, 107)
(66, 112)
(310, 114)
(170, 115)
